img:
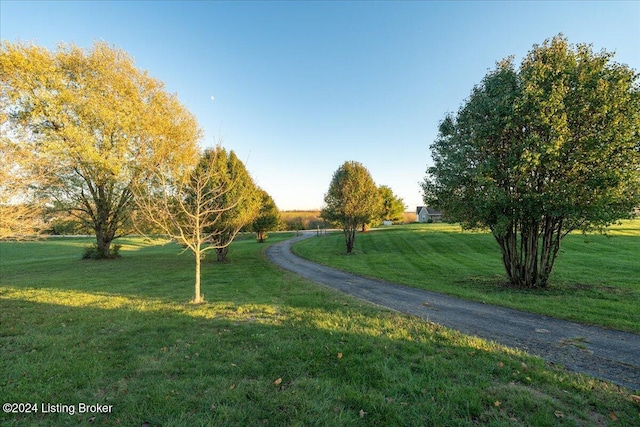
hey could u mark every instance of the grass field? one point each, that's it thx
(596, 280)
(267, 348)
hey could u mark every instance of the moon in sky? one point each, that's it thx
(212, 97)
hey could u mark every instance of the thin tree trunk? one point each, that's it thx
(198, 298)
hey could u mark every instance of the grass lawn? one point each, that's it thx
(267, 348)
(596, 278)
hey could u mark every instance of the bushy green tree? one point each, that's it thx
(537, 152)
(241, 193)
(268, 216)
(393, 207)
(352, 200)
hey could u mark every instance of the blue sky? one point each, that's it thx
(301, 87)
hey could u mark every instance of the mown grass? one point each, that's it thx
(267, 348)
(596, 279)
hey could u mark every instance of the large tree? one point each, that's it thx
(537, 152)
(352, 200)
(268, 216)
(393, 207)
(242, 193)
(97, 123)
(195, 206)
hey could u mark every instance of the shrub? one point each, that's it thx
(92, 252)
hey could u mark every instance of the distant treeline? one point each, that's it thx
(301, 220)
(289, 221)
(310, 220)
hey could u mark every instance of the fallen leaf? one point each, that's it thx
(500, 365)
(278, 381)
(213, 407)
(635, 398)
(496, 403)
(558, 414)
(339, 355)
(613, 416)
(524, 367)
(232, 387)
(362, 413)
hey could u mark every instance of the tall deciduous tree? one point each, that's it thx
(97, 122)
(352, 200)
(538, 152)
(393, 207)
(242, 193)
(268, 216)
(195, 206)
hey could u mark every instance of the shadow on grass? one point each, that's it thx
(330, 363)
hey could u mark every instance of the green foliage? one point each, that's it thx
(541, 151)
(353, 200)
(268, 216)
(393, 207)
(240, 196)
(94, 252)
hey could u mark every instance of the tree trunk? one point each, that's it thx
(104, 238)
(350, 238)
(222, 253)
(261, 236)
(529, 251)
(198, 297)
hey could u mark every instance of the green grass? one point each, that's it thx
(267, 348)
(596, 280)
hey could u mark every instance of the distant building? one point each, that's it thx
(426, 214)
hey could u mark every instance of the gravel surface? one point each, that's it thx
(602, 353)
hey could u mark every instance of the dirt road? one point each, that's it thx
(602, 353)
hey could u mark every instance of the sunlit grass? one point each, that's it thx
(266, 348)
(595, 280)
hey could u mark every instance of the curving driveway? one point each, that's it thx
(602, 353)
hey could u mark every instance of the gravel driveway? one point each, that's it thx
(602, 353)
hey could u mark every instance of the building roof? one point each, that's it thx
(429, 210)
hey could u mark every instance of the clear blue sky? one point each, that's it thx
(301, 87)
